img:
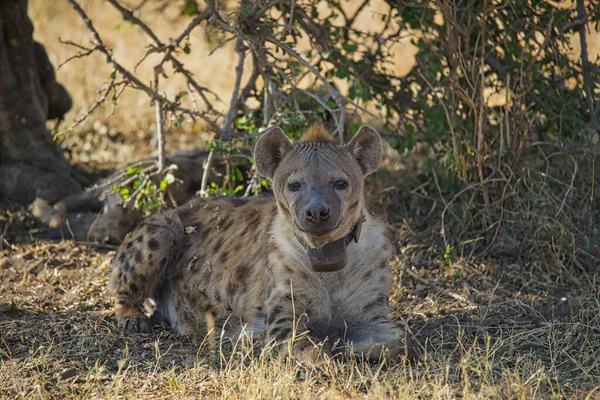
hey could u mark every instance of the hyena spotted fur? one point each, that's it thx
(309, 258)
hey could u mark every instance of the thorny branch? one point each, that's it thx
(250, 28)
(160, 126)
(132, 80)
(227, 125)
(177, 65)
(585, 65)
(112, 86)
(339, 99)
(241, 50)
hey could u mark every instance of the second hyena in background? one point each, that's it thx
(309, 258)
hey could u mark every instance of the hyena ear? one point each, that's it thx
(270, 149)
(365, 146)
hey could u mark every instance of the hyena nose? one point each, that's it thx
(317, 212)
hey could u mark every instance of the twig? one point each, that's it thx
(447, 292)
(351, 20)
(469, 187)
(342, 120)
(241, 50)
(207, 164)
(227, 131)
(120, 175)
(160, 130)
(585, 62)
(86, 52)
(8, 224)
(250, 86)
(177, 65)
(136, 191)
(339, 98)
(137, 84)
(101, 101)
(570, 188)
(252, 183)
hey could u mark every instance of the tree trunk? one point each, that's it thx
(31, 164)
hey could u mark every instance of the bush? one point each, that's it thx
(520, 169)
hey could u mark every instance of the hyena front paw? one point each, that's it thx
(133, 320)
(385, 346)
(306, 353)
(390, 350)
(137, 324)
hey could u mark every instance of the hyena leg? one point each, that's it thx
(285, 319)
(140, 266)
(377, 337)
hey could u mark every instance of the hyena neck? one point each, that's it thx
(328, 256)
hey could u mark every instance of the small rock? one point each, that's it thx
(68, 373)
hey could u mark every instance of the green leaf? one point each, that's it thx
(342, 74)
(134, 171)
(166, 181)
(238, 176)
(350, 47)
(124, 192)
(163, 184)
(190, 8)
(186, 48)
(587, 242)
(448, 254)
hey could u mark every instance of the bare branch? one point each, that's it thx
(227, 131)
(337, 96)
(205, 174)
(160, 47)
(83, 54)
(160, 127)
(251, 85)
(585, 62)
(112, 85)
(351, 20)
(241, 50)
(137, 84)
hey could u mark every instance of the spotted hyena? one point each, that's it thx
(310, 258)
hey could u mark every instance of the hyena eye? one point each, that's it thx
(341, 185)
(294, 186)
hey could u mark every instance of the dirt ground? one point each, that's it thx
(502, 327)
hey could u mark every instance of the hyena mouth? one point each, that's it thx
(333, 256)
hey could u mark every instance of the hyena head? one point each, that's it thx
(318, 185)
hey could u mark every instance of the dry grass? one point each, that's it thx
(493, 329)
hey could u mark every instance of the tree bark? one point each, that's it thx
(31, 164)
